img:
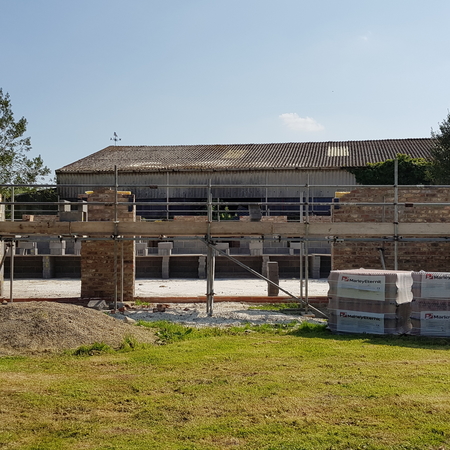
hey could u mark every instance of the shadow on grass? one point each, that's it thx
(404, 340)
(169, 332)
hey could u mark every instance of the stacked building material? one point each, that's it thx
(430, 307)
(369, 301)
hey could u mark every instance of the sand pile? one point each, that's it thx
(36, 327)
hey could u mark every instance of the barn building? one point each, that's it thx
(272, 175)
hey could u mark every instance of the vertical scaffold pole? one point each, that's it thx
(210, 259)
(301, 245)
(306, 248)
(13, 251)
(396, 214)
(116, 188)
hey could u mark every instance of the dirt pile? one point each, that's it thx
(36, 327)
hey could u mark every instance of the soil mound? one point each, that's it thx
(36, 327)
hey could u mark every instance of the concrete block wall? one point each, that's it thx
(428, 256)
(191, 246)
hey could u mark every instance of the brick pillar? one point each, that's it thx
(99, 259)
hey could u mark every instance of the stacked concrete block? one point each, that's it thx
(58, 247)
(256, 248)
(27, 248)
(370, 301)
(141, 249)
(202, 267)
(77, 248)
(165, 248)
(66, 214)
(265, 261)
(296, 248)
(314, 265)
(224, 246)
(48, 267)
(165, 267)
(430, 307)
(274, 276)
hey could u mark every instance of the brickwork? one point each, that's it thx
(318, 219)
(101, 261)
(197, 219)
(429, 256)
(125, 212)
(40, 218)
(98, 270)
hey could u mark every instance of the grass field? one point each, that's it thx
(242, 388)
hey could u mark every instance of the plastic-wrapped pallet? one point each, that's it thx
(370, 301)
(430, 307)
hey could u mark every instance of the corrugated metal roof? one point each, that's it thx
(293, 155)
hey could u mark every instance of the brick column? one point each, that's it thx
(98, 257)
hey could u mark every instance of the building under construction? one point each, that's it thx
(283, 203)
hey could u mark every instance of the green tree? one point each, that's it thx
(15, 166)
(440, 153)
(410, 171)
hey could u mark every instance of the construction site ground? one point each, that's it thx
(34, 325)
(172, 290)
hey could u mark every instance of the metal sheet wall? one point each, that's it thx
(246, 179)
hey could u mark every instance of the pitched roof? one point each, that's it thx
(295, 155)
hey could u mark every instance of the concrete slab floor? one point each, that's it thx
(70, 288)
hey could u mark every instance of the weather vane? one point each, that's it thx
(115, 138)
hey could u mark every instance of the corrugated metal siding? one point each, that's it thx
(247, 179)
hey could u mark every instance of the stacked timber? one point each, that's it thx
(370, 301)
(430, 307)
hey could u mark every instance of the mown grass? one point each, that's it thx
(247, 388)
(275, 306)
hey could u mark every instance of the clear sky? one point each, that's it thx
(168, 72)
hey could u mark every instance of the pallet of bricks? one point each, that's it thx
(370, 301)
(430, 307)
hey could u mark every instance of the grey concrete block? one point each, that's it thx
(98, 304)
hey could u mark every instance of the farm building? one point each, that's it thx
(273, 175)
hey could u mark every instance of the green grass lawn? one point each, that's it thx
(247, 388)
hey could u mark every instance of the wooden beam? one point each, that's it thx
(228, 228)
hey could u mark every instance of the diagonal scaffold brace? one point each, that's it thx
(212, 249)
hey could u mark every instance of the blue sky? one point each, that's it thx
(168, 72)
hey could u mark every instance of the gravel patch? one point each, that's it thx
(225, 314)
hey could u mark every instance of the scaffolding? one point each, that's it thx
(219, 225)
